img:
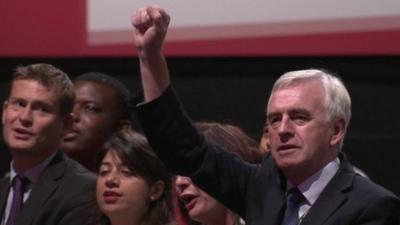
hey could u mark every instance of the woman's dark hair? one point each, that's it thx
(232, 139)
(135, 153)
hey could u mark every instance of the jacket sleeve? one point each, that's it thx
(184, 151)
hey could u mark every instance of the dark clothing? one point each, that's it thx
(63, 195)
(257, 192)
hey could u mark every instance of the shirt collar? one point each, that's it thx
(312, 187)
(33, 173)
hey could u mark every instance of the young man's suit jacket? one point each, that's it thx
(257, 192)
(63, 195)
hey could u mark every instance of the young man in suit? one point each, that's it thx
(45, 186)
(306, 179)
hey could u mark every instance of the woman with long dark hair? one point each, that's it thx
(133, 186)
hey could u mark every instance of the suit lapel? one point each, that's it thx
(43, 190)
(4, 189)
(333, 196)
(275, 198)
(274, 213)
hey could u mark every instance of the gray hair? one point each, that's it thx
(337, 99)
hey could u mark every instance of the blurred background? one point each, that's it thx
(224, 57)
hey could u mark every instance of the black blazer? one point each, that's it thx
(64, 194)
(256, 192)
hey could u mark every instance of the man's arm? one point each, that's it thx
(168, 128)
(384, 211)
(150, 27)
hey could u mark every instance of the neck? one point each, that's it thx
(228, 218)
(125, 220)
(23, 162)
(231, 218)
(299, 175)
(88, 161)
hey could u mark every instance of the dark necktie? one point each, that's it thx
(293, 199)
(19, 184)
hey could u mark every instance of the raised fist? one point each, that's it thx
(150, 27)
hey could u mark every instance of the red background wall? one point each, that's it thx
(58, 29)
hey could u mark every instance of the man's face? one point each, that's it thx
(95, 112)
(31, 119)
(300, 134)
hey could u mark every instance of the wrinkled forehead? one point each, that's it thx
(95, 91)
(306, 88)
(19, 88)
(299, 81)
(44, 85)
(17, 84)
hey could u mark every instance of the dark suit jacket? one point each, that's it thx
(256, 192)
(64, 194)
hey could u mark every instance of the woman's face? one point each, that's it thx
(201, 207)
(119, 191)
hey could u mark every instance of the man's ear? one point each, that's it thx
(156, 190)
(124, 125)
(338, 131)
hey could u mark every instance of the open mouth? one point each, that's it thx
(71, 136)
(189, 200)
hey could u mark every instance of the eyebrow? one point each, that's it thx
(88, 101)
(269, 115)
(300, 111)
(107, 163)
(14, 98)
(34, 102)
(42, 103)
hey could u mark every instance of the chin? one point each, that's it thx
(193, 214)
(198, 215)
(71, 147)
(20, 147)
(112, 209)
(287, 163)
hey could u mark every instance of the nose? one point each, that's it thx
(285, 129)
(76, 113)
(181, 183)
(112, 180)
(26, 116)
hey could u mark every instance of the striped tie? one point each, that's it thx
(293, 199)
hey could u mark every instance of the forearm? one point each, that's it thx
(150, 28)
(154, 74)
(170, 132)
